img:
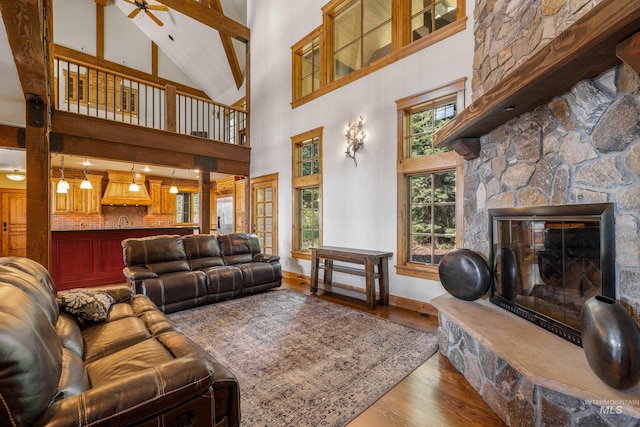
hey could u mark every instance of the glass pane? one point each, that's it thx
(260, 209)
(375, 13)
(260, 224)
(420, 219)
(444, 187)
(268, 224)
(307, 169)
(442, 246)
(444, 220)
(316, 167)
(420, 249)
(268, 194)
(444, 114)
(268, 239)
(347, 26)
(260, 193)
(307, 85)
(421, 25)
(446, 13)
(420, 5)
(316, 149)
(306, 151)
(377, 44)
(420, 189)
(268, 209)
(347, 60)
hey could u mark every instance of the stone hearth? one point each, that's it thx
(528, 376)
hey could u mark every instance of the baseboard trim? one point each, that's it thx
(396, 301)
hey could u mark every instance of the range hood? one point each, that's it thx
(117, 191)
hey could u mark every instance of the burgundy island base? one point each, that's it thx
(83, 258)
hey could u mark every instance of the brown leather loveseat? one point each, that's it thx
(132, 368)
(181, 272)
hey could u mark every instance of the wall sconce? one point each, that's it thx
(86, 184)
(16, 175)
(173, 189)
(133, 187)
(355, 139)
(63, 186)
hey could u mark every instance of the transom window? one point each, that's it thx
(356, 35)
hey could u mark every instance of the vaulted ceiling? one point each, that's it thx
(190, 51)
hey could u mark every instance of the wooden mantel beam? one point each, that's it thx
(628, 52)
(210, 17)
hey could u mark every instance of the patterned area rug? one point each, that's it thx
(303, 361)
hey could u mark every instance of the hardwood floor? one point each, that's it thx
(435, 394)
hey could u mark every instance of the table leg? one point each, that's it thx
(383, 269)
(328, 271)
(314, 272)
(370, 284)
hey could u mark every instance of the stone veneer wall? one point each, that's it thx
(512, 396)
(582, 147)
(507, 32)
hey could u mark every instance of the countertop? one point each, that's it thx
(177, 227)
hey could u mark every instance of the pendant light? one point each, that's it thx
(63, 186)
(86, 184)
(173, 189)
(16, 175)
(133, 187)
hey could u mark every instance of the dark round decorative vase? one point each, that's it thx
(611, 342)
(465, 274)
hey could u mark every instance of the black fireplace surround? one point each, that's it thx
(547, 261)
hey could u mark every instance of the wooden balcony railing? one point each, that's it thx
(84, 89)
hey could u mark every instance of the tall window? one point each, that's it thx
(307, 190)
(429, 182)
(187, 208)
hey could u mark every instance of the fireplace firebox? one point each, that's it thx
(547, 261)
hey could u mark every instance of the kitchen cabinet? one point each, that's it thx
(155, 191)
(168, 201)
(77, 200)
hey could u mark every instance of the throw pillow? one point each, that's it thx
(86, 304)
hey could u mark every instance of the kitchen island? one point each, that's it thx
(84, 258)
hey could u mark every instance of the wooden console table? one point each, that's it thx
(370, 259)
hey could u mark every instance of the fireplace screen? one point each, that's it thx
(548, 261)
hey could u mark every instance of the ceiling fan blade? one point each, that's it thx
(159, 7)
(153, 17)
(131, 2)
(134, 13)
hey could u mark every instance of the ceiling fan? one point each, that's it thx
(147, 8)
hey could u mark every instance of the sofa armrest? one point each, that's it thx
(265, 258)
(134, 398)
(136, 272)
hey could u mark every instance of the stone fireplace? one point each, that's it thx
(582, 146)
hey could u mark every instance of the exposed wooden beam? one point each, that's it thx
(9, 136)
(227, 44)
(629, 52)
(230, 158)
(204, 188)
(154, 59)
(74, 55)
(210, 18)
(100, 29)
(584, 50)
(102, 3)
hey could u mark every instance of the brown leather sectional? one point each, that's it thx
(135, 368)
(181, 272)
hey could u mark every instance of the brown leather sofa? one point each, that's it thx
(180, 272)
(134, 368)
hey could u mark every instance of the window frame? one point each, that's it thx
(412, 166)
(297, 54)
(402, 46)
(299, 183)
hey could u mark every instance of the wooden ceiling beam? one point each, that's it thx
(628, 51)
(210, 17)
(227, 44)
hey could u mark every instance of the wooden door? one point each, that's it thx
(13, 213)
(264, 212)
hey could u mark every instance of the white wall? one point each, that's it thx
(359, 204)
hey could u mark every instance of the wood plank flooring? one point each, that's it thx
(435, 394)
